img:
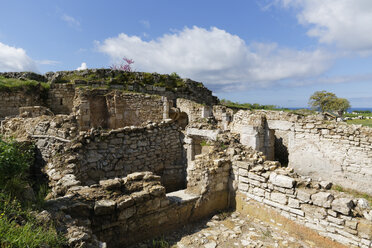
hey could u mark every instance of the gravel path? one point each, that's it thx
(228, 230)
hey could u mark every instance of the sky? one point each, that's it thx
(276, 52)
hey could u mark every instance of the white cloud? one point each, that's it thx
(216, 57)
(83, 66)
(15, 59)
(71, 21)
(347, 23)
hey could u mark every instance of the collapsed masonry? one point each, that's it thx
(126, 166)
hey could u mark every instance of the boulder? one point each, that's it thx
(343, 205)
(322, 199)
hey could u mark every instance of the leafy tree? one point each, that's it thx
(327, 101)
(340, 105)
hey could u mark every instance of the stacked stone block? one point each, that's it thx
(334, 215)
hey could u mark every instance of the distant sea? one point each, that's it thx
(349, 110)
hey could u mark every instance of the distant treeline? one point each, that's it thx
(362, 111)
(231, 104)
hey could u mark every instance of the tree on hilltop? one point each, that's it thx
(327, 101)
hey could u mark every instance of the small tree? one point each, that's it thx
(327, 101)
(126, 66)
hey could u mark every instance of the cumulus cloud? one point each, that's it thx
(216, 57)
(83, 66)
(15, 59)
(347, 23)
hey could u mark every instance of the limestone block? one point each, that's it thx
(256, 177)
(352, 224)
(258, 191)
(336, 220)
(279, 197)
(293, 203)
(282, 181)
(127, 213)
(124, 202)
(104, 207)
(110, 184)
(322, 199)
(343, 205)
(314, 211)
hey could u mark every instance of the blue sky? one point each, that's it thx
(259, 51)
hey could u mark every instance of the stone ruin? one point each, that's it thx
(131, 162)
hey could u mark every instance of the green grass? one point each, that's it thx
(256, 106)
(13, 84)
(353, 192)
(363, 122)
(170, 82)
(160, 243)
(19, 228)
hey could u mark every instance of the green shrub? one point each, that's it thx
(15, 161)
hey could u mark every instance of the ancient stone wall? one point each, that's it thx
(332, 214)
(315, 147)
(194, 110)
(115, 109)
(157, 148)
(10, 102)
(61, 98)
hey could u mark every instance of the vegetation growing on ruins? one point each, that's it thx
(353, 192)
(123, 78)
(18, 224)
(14, 84)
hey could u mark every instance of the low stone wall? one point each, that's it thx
(332, 214)
(123, 211)
(312, 146)
(10, 102)
(100, 155)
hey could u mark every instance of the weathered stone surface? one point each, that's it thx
(104, 207)
(342, 205)
(322, 199)
(304, 195)
(282, 181)
(127, 213)
(279, 197)
(110, 184)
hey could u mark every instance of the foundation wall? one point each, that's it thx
(332, 214)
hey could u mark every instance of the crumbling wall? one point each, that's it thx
(156, 147)
(254, 132)
(315, 147)
(193, 109)
(127, 109)
(10, 102)
(61, 98)
(334, 215)
(115, 109)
